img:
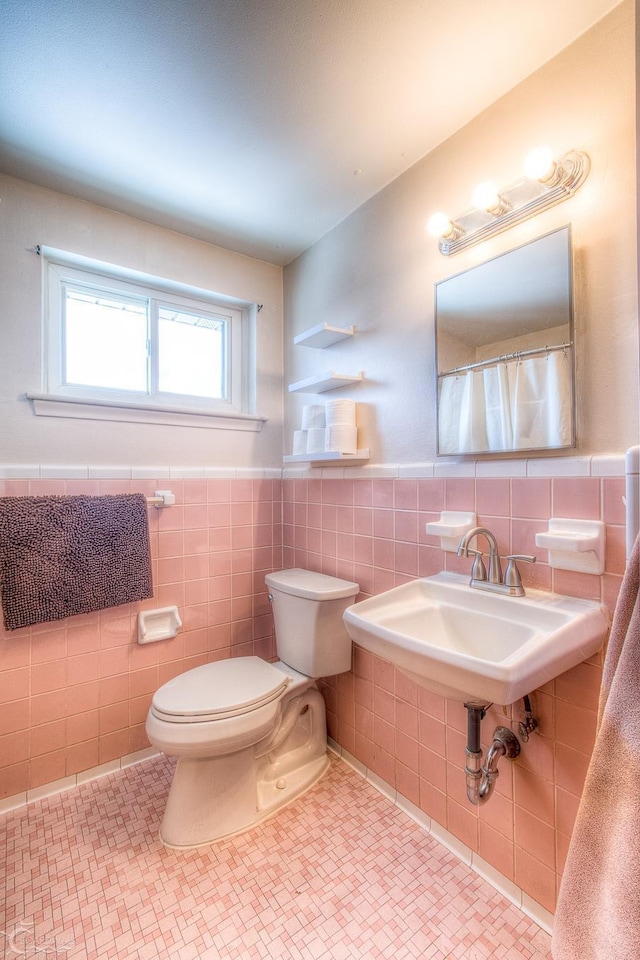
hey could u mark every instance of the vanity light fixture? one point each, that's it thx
(547, 181)
(486, 197)
(440, 225)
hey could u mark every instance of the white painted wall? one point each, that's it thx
(31, 215)
(377, 269)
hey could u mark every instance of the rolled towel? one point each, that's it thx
(313, 416)
(315, 440)
(341, 412)
(299, 442)
(341, 438)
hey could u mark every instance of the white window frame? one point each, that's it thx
(235, 411)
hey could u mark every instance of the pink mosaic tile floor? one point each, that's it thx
(340, 874)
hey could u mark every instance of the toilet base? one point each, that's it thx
(215, 797)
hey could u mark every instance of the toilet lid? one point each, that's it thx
(226, 688)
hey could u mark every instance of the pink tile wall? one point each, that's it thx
(75, 693)
(372, 531)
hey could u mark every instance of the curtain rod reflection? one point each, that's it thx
(504, 358)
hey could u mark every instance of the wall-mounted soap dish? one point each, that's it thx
(160, 624)
(451, 527)
(574, 544)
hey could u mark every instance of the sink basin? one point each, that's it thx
(475, 645)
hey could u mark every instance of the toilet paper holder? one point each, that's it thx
(160, 624)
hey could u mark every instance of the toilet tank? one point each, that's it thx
(307, 610)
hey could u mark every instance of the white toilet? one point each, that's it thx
(251, 735)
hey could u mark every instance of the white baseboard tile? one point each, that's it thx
(355, 764)
(497, 880)
(94, 773)
(537, 912)
(50, 789)
(382, 786)
(139, 756)
(415, 813)
(461, 850)
(13, 803)
(75, 780)
(506, 887)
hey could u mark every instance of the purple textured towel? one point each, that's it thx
(598, 915)
(60, 556)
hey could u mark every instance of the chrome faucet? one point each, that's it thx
(510, 583)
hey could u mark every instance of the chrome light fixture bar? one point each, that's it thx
(547, 182)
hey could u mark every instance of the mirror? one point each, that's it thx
(504, 352)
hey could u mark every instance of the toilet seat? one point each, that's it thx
(219, 691)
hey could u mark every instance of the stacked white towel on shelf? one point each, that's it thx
(341, 433)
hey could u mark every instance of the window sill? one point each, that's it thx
(81, 408)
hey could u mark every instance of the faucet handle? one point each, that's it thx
(512, 576)
(478, 570)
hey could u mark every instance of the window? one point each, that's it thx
(114, 338)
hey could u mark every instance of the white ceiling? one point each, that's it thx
(255, 124)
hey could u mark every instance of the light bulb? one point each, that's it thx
(440, 225)
(486, 197)
(539, 164)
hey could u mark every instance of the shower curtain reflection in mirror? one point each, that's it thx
(520, 403)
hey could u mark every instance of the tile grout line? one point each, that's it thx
(507, 888)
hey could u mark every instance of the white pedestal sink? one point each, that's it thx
(475, 645)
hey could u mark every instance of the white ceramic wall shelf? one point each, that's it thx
(329, 457)
(323, 335)
(160, 624)
(574, 544)
(322, 382)
(451, 527)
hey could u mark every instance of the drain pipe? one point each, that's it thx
(481, 779)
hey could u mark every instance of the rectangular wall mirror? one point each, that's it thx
(504, 352)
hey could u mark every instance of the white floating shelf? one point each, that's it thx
(574, 544)
(329, 457)
(323, 335)
(322, 382)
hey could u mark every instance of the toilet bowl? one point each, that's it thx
(250, 736)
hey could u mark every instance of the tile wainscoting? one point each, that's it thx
(373, 531)
(74, 694)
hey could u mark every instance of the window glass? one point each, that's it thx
(191, 354)
(105, 340)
